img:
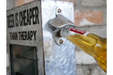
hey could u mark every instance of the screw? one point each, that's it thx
(59, 10)
(61, 41)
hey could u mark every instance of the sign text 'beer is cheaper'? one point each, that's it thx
(23, 18)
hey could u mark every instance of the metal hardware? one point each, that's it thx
(58, 10)
(61, 41)
(56, 25)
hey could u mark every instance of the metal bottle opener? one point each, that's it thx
(57, 24)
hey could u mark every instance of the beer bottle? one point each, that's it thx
(90, 43)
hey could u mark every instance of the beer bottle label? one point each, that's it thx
(85, 33)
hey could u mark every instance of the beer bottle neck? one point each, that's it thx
(67, 31)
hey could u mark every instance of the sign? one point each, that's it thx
(23, 22)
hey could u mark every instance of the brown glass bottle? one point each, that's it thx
(92, 44)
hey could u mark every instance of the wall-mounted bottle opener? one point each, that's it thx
(57, 23)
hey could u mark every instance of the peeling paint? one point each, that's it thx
(85, 22)
(88, 17)
(26, 1)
